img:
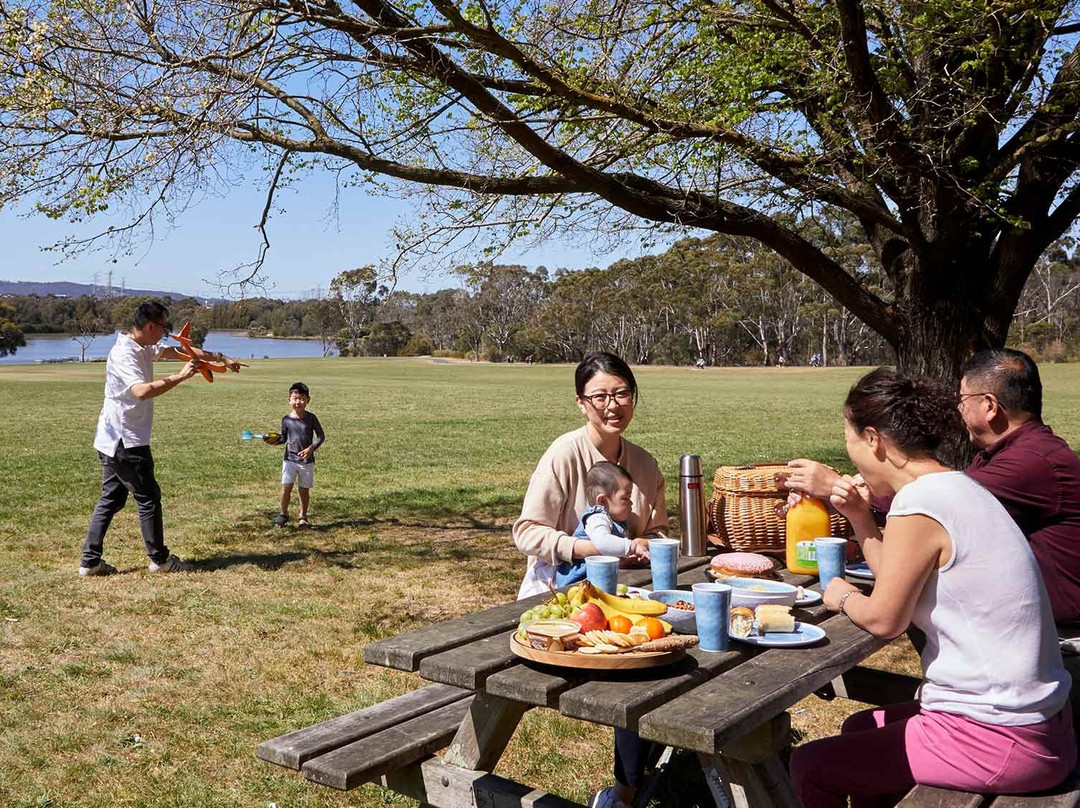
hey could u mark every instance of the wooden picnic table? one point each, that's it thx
(729, 707)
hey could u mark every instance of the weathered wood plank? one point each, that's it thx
(930, 797)
(618, 701)
(1066, 795)
(470, 665)
(621, 702)
(406, 651)
(370, 757)
(443, 786)
(485, 732)
(535, 684)
(757, 785)
(744, 697)
(295, 748)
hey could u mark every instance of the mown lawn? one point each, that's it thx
(154, 691)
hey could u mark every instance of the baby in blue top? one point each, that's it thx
(608, 488)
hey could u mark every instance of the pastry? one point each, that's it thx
(742, 565)
(742, 622)
(774, 617)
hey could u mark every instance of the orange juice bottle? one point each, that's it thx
(807, 521)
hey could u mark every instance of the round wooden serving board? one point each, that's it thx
(572, 659)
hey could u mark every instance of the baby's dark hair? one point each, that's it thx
(300, 388)
(602, 479)
(919, 415)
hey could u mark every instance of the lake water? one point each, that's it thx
(42, 347)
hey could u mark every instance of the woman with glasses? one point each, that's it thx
(606, 393)
(555, 500)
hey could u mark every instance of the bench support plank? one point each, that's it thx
(485, 732)
(441, 785)
(872, 686)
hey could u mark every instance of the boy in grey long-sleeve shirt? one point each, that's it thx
(302, 434)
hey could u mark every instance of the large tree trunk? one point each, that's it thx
(936, 334)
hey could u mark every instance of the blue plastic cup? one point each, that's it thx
(712, 609)
(831, 559)
(664, 560)
(603, 573)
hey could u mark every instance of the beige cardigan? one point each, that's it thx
(555, 498)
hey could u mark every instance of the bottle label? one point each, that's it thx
(806, 553)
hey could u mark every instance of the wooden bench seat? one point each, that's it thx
(363, 745)
(1066, 795)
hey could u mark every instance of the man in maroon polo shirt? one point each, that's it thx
(1030, 470)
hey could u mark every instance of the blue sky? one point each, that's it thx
(307, 247)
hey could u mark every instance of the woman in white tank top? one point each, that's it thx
(993, 715)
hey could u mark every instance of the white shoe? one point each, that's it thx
(171, 564)
(606, 799)
(103, 567)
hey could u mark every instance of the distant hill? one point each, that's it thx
(70, 289)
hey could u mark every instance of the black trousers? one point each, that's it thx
(632, 756)
(130, 470)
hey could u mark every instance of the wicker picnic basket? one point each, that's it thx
(746, 509)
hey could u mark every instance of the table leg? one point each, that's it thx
(485, 732)
(752, 769)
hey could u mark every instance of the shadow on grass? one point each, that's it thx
(405, 546)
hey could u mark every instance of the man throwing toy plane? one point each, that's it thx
(123, 437)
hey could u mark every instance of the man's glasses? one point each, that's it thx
(620, 397)
(965, 396)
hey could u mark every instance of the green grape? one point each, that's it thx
(561, 598)
(621, 589)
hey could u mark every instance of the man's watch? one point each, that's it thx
(843, 600)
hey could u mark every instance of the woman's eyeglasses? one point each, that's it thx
(620, 397)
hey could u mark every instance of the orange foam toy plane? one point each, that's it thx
(188, 350)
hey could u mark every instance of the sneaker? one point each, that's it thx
(281, 519)
(103, 567)
(606, 799)
(303, 522)
(171, 564)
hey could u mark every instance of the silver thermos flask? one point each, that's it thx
(692, 515)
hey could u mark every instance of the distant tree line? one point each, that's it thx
(722, 299)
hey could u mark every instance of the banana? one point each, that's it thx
(610, 612)
(628, 606)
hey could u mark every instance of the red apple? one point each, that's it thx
(590, 617)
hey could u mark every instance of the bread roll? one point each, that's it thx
(774, 617)
(742, 621)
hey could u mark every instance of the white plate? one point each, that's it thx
(804, 634)
(640, 591)
(809, 598)
(860, 570)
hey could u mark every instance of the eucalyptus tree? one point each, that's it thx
(11, 336)
(948, 128)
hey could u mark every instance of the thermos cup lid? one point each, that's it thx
(690, 465)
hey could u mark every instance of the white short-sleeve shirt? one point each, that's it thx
(124, 417)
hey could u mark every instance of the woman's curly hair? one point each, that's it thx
(919, 415)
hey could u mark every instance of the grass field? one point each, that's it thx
(154, 691)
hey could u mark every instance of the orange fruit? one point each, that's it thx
(620, 624)
(653, 626)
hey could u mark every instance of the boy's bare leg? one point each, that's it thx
(286, 495)
(305, 496)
